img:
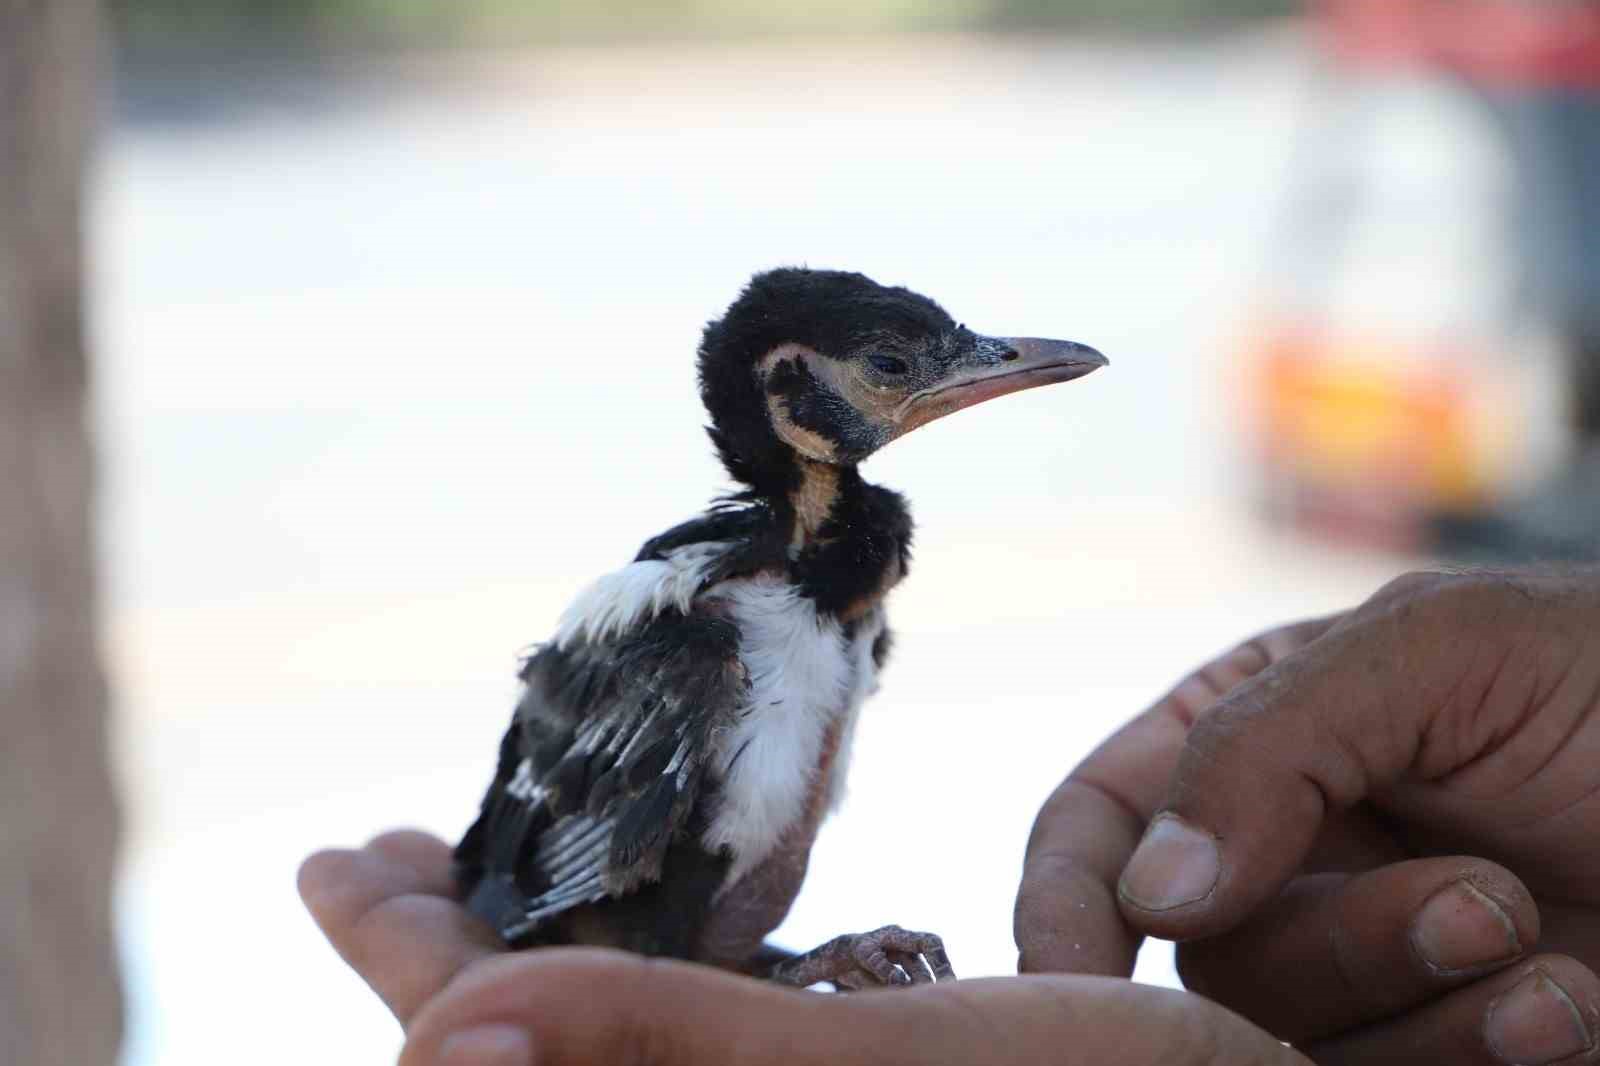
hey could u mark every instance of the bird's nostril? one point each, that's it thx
(1010, 355)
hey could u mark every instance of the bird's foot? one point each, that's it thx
(887, 956)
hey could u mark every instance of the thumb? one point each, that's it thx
(564, 1007)
(1423, 678)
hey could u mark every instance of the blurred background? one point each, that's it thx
(392, 307)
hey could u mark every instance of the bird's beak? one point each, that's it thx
(1021, 363)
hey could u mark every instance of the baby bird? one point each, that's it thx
(679, 741)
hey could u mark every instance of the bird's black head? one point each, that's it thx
(831, 366)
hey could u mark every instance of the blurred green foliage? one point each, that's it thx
(401, 22)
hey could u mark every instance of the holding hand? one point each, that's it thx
(1306, 801)
(464, 1001)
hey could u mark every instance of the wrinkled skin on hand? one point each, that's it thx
(1375, 833)
(389, 910)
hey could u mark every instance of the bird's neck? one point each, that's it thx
(818, 489)
(848, 541)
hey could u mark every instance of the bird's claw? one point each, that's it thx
(890, 957)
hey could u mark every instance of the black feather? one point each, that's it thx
(598, 725)
(652, 762)
(826, 310)
(604, 790)
(567, 783)
(867, 534)
(547, 749)
(644, 823)
(881, 648)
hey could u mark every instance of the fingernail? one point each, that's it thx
(1460, 928)
(1536, 1022)
(489, 1045)
(1175, 864)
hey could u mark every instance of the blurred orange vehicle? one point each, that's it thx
(1412, 365)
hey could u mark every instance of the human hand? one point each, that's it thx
(1311, 794)
(389, 910)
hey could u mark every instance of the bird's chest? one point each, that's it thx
(779, 767)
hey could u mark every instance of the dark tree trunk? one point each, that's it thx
(59, 999)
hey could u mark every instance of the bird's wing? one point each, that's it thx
(601, 767)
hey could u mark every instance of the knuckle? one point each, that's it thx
(1457, 590)
(1414, 585)
(1225, 721)
(1424, 593)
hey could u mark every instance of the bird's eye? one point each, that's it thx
(887, 364)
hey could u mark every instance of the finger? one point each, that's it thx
(1333, 952)
(1543, 1011)
(386, 919)
(1066, 916)
(1324, 728)
(562, 1007)
(426, 855)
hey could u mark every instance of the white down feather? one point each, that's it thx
(801, 678)
(804, 677)
(623, 599)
